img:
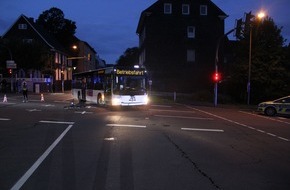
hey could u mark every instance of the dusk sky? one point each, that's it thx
(109, 26)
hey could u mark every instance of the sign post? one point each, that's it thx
(10, 64)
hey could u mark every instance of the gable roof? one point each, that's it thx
(47, 38)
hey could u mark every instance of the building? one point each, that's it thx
(55, 74)
(178, 42)
(84, 57)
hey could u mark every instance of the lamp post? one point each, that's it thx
(249, 16)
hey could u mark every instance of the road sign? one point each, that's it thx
(10, 64)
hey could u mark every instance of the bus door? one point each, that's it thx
(108, 89)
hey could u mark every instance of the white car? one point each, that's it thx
(279, 106)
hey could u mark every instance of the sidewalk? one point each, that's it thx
(37, 96)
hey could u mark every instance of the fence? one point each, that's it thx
(37, 85)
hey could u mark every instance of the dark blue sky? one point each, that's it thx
(109, 26)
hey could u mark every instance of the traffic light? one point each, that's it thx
(239, 28)
(216, 77)
(248, 21)
(10, 71)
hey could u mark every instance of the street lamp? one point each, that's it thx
(249, 16)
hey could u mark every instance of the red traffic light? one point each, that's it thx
(216, 77)
(10, 71)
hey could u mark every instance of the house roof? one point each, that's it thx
(150, 9)
(47, 38)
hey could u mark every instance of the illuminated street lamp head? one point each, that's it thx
(75, 47)
(261, 14)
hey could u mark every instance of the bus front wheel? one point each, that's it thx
(99, 100)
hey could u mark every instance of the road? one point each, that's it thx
(53, 145)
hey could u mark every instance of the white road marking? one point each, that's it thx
(171, 111)
(32, 110)
(82, 112)
(165, 106)
(4, 119)
(183, 117)
(58, 122)
(199, 129)
(48, 105)
(266, 117)
(124, 125)
(32, 169)
(7, 103)
(109, 139)
(241, 124)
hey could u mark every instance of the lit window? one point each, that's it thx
(191, 32)
(185, 9)
(190, 55)
(89, 57)
(167, 8)
(203, 9)
(22, 26)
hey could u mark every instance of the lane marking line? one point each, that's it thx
(32, 169)
(206, 130)
(241, 124)
(165, 106)
(32, 110)
(183, 117)
(4, 119)
(124, 125)
(109, 139)
(171, 111)
(82, 112)
(58, 122)
(269, 118)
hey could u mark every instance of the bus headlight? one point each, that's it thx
(116, 101)
(147, 100)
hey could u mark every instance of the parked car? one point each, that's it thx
(279, 106)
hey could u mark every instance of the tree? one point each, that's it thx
(129, 58)
(54, 22)
(268, 72)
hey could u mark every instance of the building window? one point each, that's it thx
(22, 26)
(190, 55)
(185, 9)
(191, 32)
(89, 57)
(167, 8)
(203, 9)
(27, 41)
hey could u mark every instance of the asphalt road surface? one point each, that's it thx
(53, 145)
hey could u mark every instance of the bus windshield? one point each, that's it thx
(129, 85)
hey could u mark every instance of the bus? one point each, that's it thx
(114, 86)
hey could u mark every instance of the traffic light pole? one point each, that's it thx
(216, 64)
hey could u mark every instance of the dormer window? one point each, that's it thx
(167, 8)
(22, 26)
(203, 9)
(185, 9)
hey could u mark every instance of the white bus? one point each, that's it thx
(116, 86)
